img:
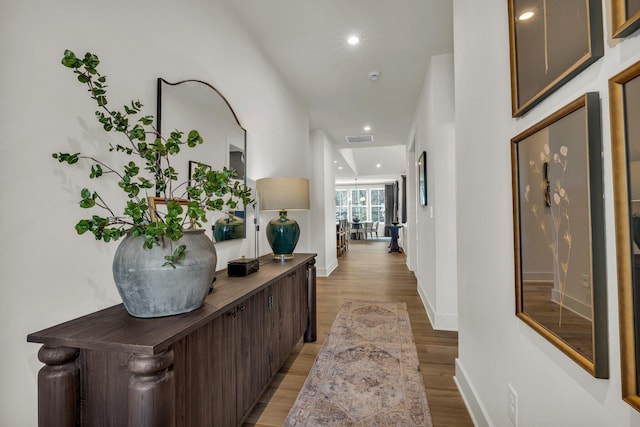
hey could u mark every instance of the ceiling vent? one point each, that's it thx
(359, 139)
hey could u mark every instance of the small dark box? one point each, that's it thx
(242, 267)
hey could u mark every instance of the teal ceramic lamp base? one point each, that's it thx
(228, 227)
(282, 235)
(282, 194)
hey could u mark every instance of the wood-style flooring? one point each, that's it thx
(368, 272)
(572, 328)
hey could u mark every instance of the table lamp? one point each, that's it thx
(283, 194)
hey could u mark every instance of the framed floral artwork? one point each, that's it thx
(625, 17)
(624, 105)
(559, 232)
(551, 41)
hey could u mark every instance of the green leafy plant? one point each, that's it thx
(149, 171)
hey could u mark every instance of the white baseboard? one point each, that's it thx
(476, 411)
(573, 304)
(427, 305)
(439, 321)
(569, 302)
(326, 271)
(537, 276)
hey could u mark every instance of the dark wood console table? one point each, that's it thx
(207, 367)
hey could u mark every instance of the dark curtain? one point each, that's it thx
(404, 199)
(396, 193)
(388, 208)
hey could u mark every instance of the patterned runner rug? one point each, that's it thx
(366, 374)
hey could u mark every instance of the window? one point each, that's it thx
(359, 204)
(365, 204)
(377, 204)
(342, 204)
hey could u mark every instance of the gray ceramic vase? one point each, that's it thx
(149, 289)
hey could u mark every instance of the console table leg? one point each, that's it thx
(152, 390)
(311, 333)
(58, 383)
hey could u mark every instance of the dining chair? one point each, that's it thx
(356, 230)
(368, 229)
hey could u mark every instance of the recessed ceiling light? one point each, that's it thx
(367, 128)
(335, 161)
(339, 167)
(353, 40)
(378, 165)
(525, 16)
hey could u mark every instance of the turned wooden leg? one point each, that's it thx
(152, 390)
(311, 333)
(58, 387)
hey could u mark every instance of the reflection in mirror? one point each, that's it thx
(558, 213)
(236, 160)
(551, 41)
(194, 104)
(624, 92)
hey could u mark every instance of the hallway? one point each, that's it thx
(368, 272)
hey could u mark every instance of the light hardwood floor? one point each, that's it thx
(368, 272)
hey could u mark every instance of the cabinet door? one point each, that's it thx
(301, 304)
(290, 313)
(283, 317)
(296, 303)
(205, 374)
(253, 370)
(274, 324)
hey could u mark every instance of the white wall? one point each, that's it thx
(432, 251)
(49, 274)
(323, 204)
(496, 348)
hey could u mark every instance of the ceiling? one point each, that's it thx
(306, 41)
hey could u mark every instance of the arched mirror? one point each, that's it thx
(194, 104)
(624, 93)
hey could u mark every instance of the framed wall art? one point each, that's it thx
(625, 17)
(550, 41)
(624, 93)
(559, 232)
(422, 179)
(193, 165)
(158, 207)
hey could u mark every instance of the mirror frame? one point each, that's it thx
(628, 312)
(623, 24)
(599, 366)
(160, 82)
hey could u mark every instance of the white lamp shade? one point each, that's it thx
(283, 193)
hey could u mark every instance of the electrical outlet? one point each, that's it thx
(512, 405)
